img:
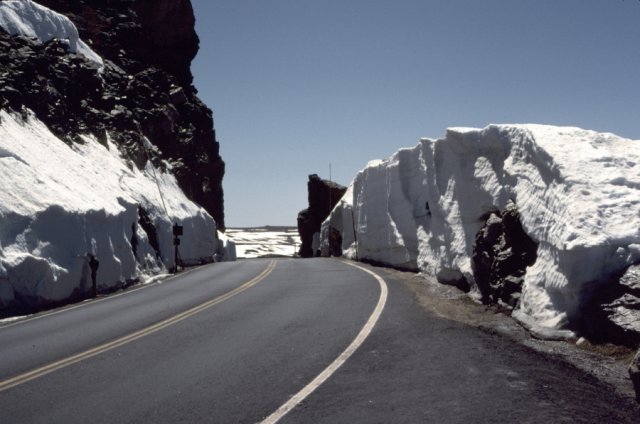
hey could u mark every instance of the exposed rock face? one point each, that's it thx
(615, 312)
(144, 90)
(634, 373)
(323, 196)
(137, 33)
(501, 254)
(173, 41)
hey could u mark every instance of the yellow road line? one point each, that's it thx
(340, 360)
(62, 363)
(93, 301)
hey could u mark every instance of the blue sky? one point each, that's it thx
(296, 85)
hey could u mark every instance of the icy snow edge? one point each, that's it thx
(577, 191)
(32, 20)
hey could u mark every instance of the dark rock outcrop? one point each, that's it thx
(137, 33)
(143, 92)
(323, 196)
(613, 315)
(501, 254)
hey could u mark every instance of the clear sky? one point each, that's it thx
(297, 85)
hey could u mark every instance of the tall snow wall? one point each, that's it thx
(577, 193)
(61, 203)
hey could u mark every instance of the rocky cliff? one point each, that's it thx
(323, 196)
(144, 90)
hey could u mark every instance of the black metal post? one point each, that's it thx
(177, 232)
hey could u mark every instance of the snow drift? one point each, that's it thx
(577, 193)
(60, 203)
(32, 20)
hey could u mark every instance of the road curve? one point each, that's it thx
(233, 360)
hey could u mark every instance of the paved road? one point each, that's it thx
(232, 342)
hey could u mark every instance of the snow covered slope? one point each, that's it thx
(32, 20)
(577, 193)
(59, 203)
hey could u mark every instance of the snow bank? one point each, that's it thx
(60, 203)
(577, 191)
(227, 249)
(32, 20)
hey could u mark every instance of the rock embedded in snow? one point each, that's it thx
(501, 254)
(614, 312)
(577, 193)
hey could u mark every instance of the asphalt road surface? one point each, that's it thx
(289, 341)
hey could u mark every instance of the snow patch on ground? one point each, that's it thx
(59, 203)
(577, 191)
(32, 20)
(265, 241)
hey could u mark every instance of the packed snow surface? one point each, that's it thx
(265, 241)
(32, 20)
(577, 191)
(60, 203)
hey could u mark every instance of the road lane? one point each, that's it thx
(235, 362)
(130, 337)
(49, 337)
(331, 369)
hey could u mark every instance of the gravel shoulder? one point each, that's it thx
(606, 362)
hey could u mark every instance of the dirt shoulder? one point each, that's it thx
(608, 363)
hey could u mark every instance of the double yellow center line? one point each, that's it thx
(62, 363)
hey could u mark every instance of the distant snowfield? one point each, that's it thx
(61, 203)
(32, 20)
(264, 241)
(577, 191)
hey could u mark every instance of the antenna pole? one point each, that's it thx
(330, 187)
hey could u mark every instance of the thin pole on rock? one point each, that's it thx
(155, 176)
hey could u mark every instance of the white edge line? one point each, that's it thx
(340, 360)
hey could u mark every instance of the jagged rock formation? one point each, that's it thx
(501, 254)
(144, 90)
(323, 196)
